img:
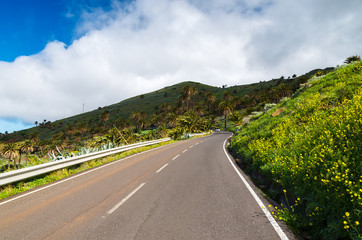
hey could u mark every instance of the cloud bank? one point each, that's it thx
(149, 44)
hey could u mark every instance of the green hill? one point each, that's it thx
(306, 153)
(150, 103)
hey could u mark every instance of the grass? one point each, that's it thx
(13, 189)
(310, 155)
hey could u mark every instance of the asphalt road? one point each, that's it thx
(185, 190)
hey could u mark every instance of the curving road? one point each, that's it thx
(185, 190)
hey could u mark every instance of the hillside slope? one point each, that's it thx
(309, 148)
(149, 103)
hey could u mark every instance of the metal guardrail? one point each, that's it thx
(25, 173)
(198, 134)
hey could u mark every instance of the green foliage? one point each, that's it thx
(236, 117)
(352, 59)
(70, 131)
(313, 150)
(176, 133)
(190, 122)
(269, 106)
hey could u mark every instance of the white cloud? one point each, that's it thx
(151, 44)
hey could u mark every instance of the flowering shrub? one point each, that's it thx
(314, 150)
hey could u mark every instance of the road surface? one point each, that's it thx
(184, 190)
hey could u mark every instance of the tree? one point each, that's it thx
(157, 119)
(139, 119)
(116, 136)
(210, 99)
(143, 121)
(187, 93)
(171, 119)
(352, 59)
(11, 152)
(36, 123)
(226, 108)
(191, 122)
(135, 117)
(27, 147)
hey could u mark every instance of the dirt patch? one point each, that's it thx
(279, 111)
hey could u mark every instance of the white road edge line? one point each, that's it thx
(81, 174)
(176, 157)
(184, 151)
(257, 199)
(125, 199)
(159, 170)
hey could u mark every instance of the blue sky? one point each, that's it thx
(27, 26)
(56, 55)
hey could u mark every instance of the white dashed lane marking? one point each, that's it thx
(124, 199)
(159, 170)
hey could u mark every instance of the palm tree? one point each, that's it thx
(139, 119)
(226, 108)
(142, 121)
(188, 122)
(210, 99)
(187, 93)
(192, 122)
(135, 117)
(115, 136)
(11, 152)
(171, 119)
(352, 59)
(27, 147)
(180, 104)
(157, 119)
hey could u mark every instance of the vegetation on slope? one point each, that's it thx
(172, 111)
(100, 121)
(309, 148)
